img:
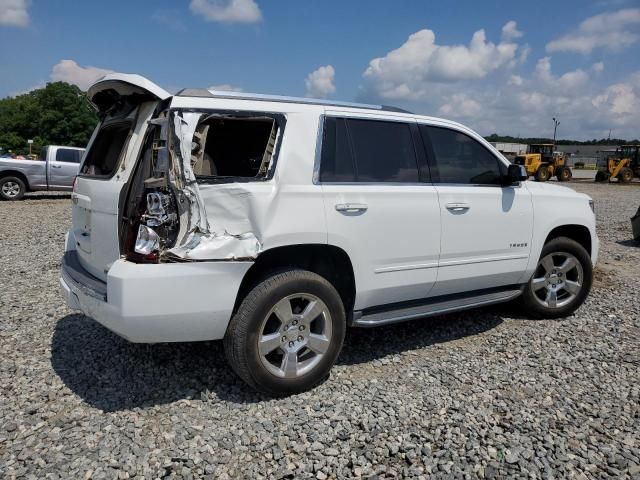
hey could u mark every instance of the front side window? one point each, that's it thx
(68, 155)
(460, 159)
(356, 150)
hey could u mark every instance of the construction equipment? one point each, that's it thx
(624, 165)
(543, 162)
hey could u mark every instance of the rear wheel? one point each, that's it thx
(542, 175)
(287, 333)
(12, 188)
(564, 174)
(561, 282)
(625, 175)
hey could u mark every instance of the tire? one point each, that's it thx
(625, 175)
(287, 365)
(564, 174)
(601, 176)
(542, 174)
(12, 188)
(537, 299)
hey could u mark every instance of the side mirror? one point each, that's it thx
(515, 174)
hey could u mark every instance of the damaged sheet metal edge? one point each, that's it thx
(196, 240)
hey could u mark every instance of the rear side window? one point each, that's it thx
(102, 158)
(460, 159)
(368, 151)
(68, 155)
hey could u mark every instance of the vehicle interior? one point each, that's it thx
(233, 147)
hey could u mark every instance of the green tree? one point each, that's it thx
(58, 114)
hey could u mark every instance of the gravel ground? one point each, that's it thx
(479, 394)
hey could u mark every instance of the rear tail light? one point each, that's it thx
(147, 241)
(75, 182)
(153, 229)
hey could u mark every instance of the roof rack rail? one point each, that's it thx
(205, 93)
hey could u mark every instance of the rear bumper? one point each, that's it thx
(171, 302)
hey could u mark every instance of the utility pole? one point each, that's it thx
(555, 128)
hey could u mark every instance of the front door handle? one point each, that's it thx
(458, 207)
(56, 166)
(351, 207)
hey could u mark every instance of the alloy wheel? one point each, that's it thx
(558, 280)
(11, 189)
(295, 335)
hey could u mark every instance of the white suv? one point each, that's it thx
(274, 223)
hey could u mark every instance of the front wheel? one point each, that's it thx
(287, 333)
(12, 188)
(561, 282)
(542, 175)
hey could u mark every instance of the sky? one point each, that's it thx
(498, 67)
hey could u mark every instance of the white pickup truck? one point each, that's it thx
(55, 169)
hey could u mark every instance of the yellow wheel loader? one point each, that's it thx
(623, 165)
(542, 162)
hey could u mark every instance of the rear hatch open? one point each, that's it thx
(125, 104)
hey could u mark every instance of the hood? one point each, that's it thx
(550, 188)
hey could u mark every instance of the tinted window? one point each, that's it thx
(461, 159)
(68, 155)
(384, 151)
(102, 158)
(336, 163)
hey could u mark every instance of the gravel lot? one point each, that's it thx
(479, 394)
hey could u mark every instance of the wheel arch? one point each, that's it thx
(17, 174)
(576, 232)
(328, 261)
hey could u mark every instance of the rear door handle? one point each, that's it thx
(458, 207)
(351, 207)
(56, 166)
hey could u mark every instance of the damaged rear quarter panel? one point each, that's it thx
(239, 220)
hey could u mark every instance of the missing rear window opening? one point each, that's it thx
(102, 158)
(226, 147)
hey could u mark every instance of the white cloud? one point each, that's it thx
(225, 87)
(14, 12)
(621, 99)
(319, 83)
(568, 82)
(515, 80)
(611, 30)
(409, 71)
(461, 105)
(227, 11)
(70, 72)
(510, 30)
(597, 67)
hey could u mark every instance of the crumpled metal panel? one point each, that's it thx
(197, 239)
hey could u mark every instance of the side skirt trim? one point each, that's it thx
(400, 312)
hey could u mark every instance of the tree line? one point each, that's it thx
(603, 141)
(58, 114)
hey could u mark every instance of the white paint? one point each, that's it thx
(405, 245)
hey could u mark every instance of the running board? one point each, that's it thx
(434, 306)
